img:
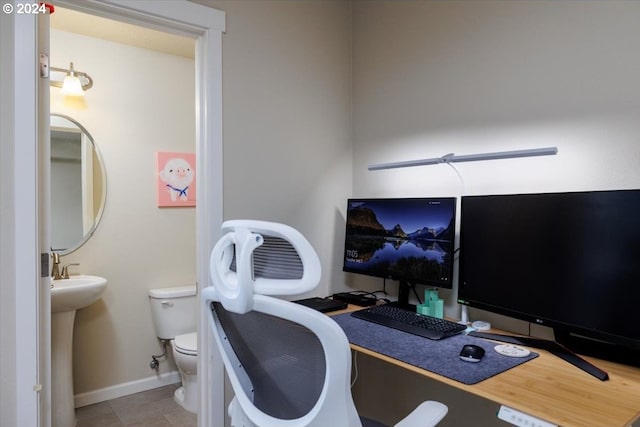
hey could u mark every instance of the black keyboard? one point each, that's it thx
(410, 321)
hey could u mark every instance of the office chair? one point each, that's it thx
(289, 365)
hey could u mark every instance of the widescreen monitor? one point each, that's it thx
(570, 261)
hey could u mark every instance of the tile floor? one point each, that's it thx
(152, 408)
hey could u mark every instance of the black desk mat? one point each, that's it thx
(440, 357)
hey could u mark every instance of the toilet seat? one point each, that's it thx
(187, 344)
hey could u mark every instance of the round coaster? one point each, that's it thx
(511, 350)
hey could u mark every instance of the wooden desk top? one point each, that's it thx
(551, 389)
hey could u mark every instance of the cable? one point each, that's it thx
(463, 192)
(355, 367)
(413, 288)
(367, 293)
(371, 294)
(362, 293)
(387, 300)
(464, 312)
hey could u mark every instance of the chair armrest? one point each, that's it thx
(427, 414)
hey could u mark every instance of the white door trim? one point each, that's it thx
(19, 280)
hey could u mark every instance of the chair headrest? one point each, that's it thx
(260, 257)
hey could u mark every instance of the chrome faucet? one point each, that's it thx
(65, 270)
(55, 270)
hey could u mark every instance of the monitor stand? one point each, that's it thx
(599, 349)
(551, 346)
(403, 296)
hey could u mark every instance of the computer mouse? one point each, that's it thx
(471, 353)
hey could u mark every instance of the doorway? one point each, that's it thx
(204, 26)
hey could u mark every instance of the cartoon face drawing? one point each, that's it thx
(178, 175)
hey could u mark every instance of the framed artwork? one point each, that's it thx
(176, 179)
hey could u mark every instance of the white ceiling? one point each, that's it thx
(106, 29)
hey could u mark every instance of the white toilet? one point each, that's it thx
(174, 315)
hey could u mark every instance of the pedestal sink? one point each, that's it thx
(67, 296)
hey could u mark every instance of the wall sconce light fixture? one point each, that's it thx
(74, 83)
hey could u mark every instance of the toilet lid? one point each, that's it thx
(187, 343)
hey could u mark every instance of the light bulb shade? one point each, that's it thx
(74, 83)
(72, 86)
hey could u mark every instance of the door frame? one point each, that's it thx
(22, 375)
(201, 23)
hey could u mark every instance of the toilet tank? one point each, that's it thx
(174, 310)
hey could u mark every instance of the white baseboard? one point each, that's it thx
(125, 389)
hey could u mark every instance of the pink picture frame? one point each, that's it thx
(176, 179)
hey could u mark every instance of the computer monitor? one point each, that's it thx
(406, 239)
(570, 261)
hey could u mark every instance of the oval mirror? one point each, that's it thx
(78, 184)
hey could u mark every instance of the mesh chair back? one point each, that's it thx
(283, 360)
(287, 363)
(274, 259)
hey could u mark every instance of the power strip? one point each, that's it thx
(521, 419)
(361, 300)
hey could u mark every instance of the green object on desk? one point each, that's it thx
(433, 306)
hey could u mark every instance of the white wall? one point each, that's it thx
(435, 77)
(142, 102)
(432, 78)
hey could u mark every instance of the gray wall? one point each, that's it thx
(287, 119)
